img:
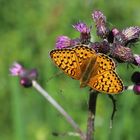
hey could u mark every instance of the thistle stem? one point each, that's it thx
(91, 115)
(114, 109)
(59, 108)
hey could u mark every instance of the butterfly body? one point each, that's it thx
(93, 69)
(88, 71)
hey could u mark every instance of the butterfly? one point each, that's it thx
(92, 69)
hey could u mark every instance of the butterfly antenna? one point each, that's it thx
(55, 75)
(114, 109)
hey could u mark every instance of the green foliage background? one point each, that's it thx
(28, 30)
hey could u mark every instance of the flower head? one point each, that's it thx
(136, 77)
(25, 82)
(25, 76)
(132, 34)
(84, 30)
(100, 21)
(126, 36)
(82, 27)
(137, 59)
(100, 47)
(115, 31)
(121, 53)
(63, 42)
(136, 89)
(16, 69)
(119, 37)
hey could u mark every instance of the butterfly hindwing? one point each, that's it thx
(67, 61)
(104, 63)
(107, 82)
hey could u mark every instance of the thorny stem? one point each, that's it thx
(114, 109)
(59, 108)
(91, 115)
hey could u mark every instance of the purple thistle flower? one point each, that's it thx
(16, 69)
(84, 30)
(101, 47)
(96, 15)
(100, 21)
(136, 89)
(126, 36)
(119, 38)
(63, 42)
(75, 42)
(135, 78)
(95, 46)
(26, 76)
(25, 82)
(115, 31)
(132, 34)
(137, 59)
(82, 27)
(121, 53)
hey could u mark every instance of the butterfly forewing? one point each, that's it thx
(107, 82)
(83, 53)
(66, 60)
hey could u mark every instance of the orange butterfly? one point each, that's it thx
(93, 69)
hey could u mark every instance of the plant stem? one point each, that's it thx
(59, 108)
(114, 109)
(91, 115)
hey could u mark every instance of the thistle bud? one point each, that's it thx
(100, 21)
(25, 76)
(122, 54)
(62, 42)
(84, 32)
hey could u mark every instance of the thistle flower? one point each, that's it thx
(81, 27)
(137, 59)
(16, 69)
(84, 30)
(132, 34)
(101, 47)
(119, 37)
(100, 21)
(136, 89)
(121, 53)
(63, 42)
(135, 78)
(126, 36)
(25, 76)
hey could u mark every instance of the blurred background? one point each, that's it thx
(28, 31)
